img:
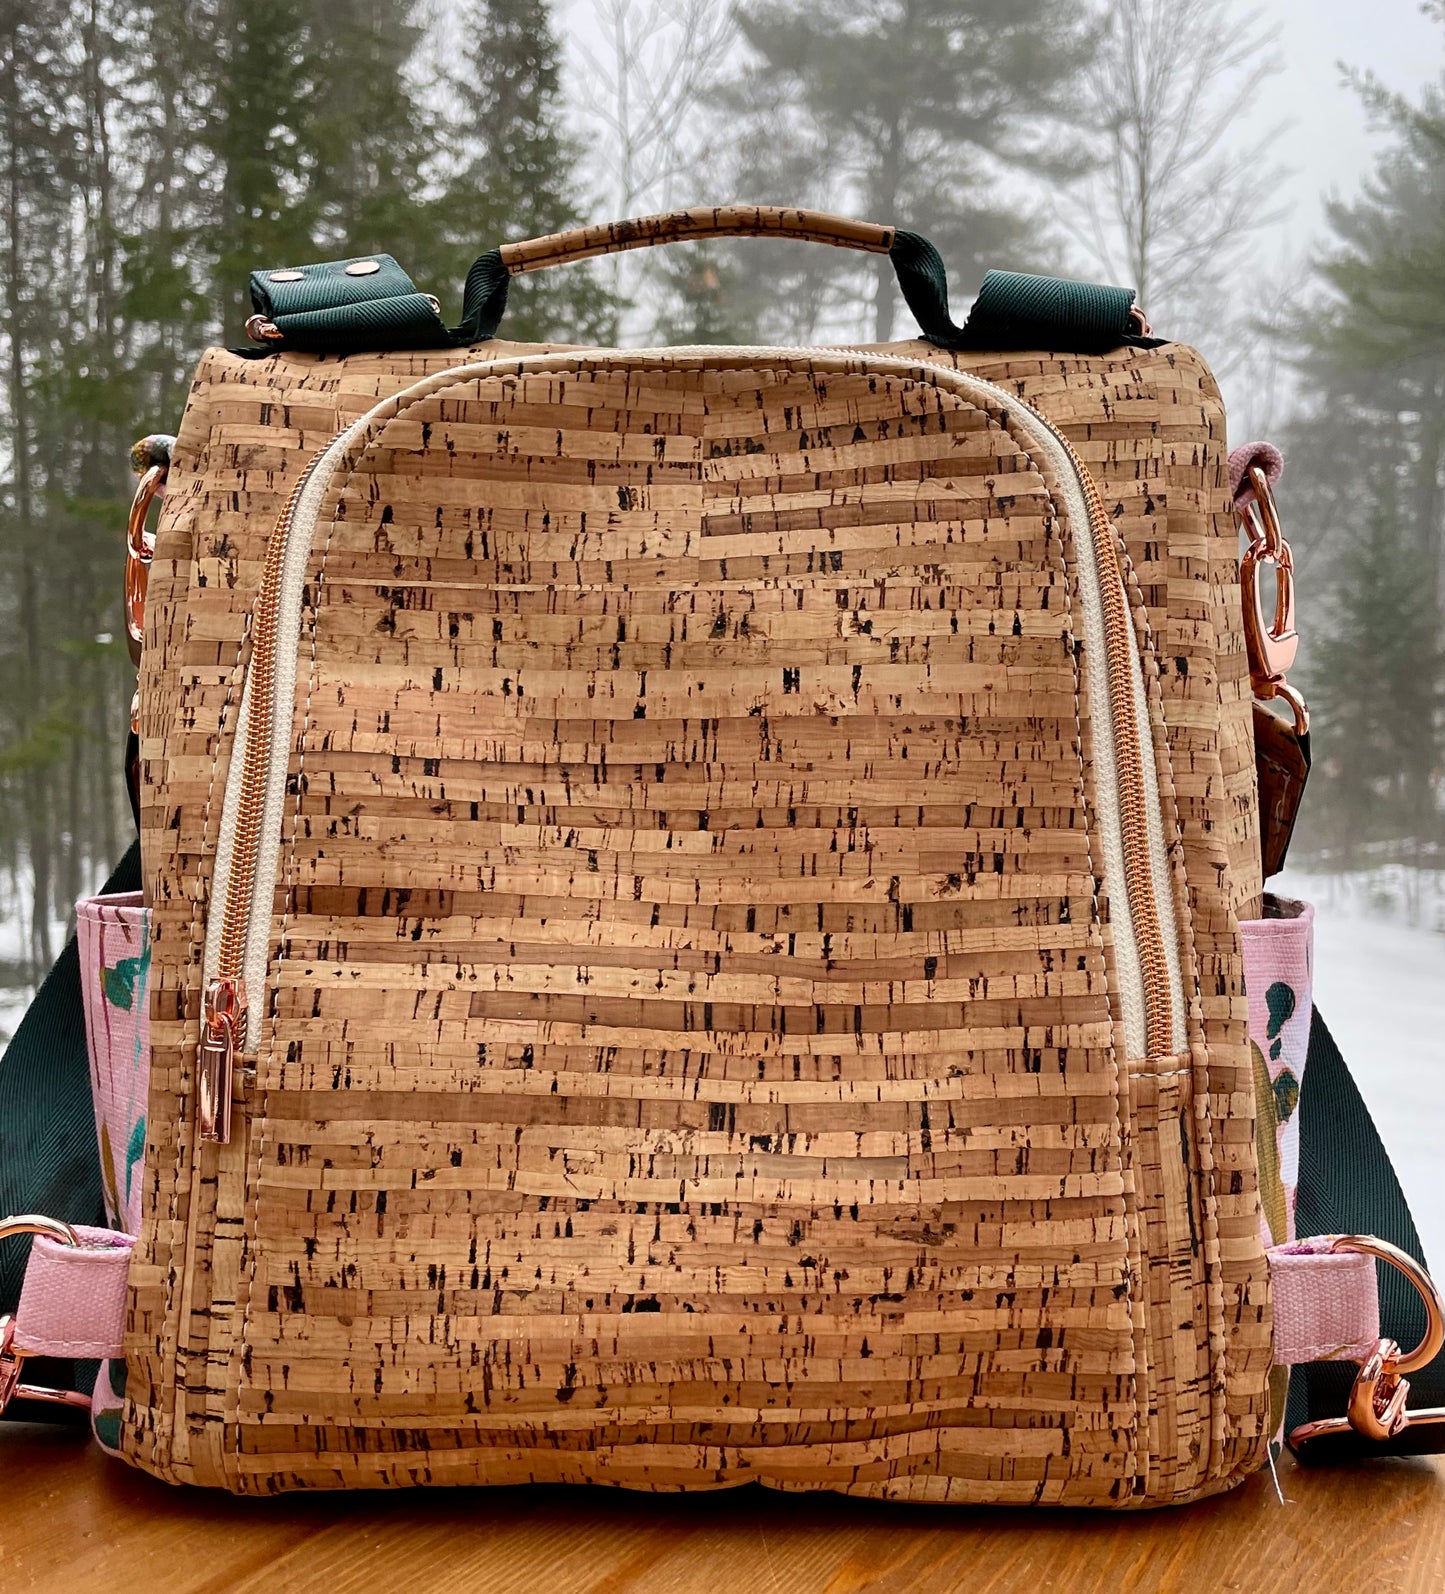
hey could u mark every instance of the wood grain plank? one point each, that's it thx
(79, 1522)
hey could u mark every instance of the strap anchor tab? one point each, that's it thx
(1377, 1412)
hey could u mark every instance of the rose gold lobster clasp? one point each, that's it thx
(12, 1359)
(140, 548)
(1377, 1408)
(1271, 643)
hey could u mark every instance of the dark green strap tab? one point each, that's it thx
(342, 306)
(1016, 311)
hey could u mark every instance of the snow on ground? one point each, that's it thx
(1380, 986)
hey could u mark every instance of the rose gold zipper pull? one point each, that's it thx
(222, 1024)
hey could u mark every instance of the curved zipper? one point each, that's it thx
(1145, 931)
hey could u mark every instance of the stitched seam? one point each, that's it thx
(89, 1350)
(262, 1103)
(1335, 1351)
(1209, 1215)
(1067, 572)
(184, 1142)
(1120, 1074)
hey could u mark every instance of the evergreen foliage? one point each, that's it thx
(1379, 688)
(916, 107)
(517, 181)
(1367, 485)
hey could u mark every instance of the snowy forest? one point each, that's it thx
(154, 152)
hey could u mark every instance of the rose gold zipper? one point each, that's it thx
(224, 1009)
(1138, 872)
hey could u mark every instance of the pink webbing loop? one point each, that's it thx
(72, 1303)
(1326, 1302)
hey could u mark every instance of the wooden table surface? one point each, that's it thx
(72, 1521)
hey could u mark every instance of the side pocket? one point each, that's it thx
(113, 938)
(113, 934)
(1279, 983)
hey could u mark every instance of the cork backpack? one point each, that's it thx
(692, 914)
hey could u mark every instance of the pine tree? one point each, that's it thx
(518, 179)
(363, 138)
(1377, 343)
(39, 167)
(918, 102)
(257, 102)
(708, 296)
(1367, 480)
(1377, 686)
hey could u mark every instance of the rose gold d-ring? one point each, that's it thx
(37, 1223)
(1425, 1287)
(1271, 643)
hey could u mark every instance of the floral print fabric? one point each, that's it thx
(114, 942)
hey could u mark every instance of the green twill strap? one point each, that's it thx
(370, 303)
(1347, 1185)
(49, 1160)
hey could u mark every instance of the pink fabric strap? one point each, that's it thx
(72, 1303)
(1326, 1303)
(1266, 456)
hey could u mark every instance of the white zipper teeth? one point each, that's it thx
(300, 534)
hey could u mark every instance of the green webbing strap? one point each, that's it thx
(1347, 1186)
(49, 1159)
(335, 308)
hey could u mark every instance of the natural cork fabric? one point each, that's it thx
(691, 1050)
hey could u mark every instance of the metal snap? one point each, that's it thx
(362, 268)
(286, 276)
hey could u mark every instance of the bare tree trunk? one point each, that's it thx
(35, 785)
(885, 286)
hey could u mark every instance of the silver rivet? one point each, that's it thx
(287, 276)
(362, 268)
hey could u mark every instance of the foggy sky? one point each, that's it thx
(1327, 144)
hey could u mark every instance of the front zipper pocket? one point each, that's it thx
(1131, 821)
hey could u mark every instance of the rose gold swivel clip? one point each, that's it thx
(150, 458)
(1271, 643)
(1377, 1406)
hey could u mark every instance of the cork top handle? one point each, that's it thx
(684, 226)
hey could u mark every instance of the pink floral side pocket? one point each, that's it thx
(1279, 980)
(113, 934)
